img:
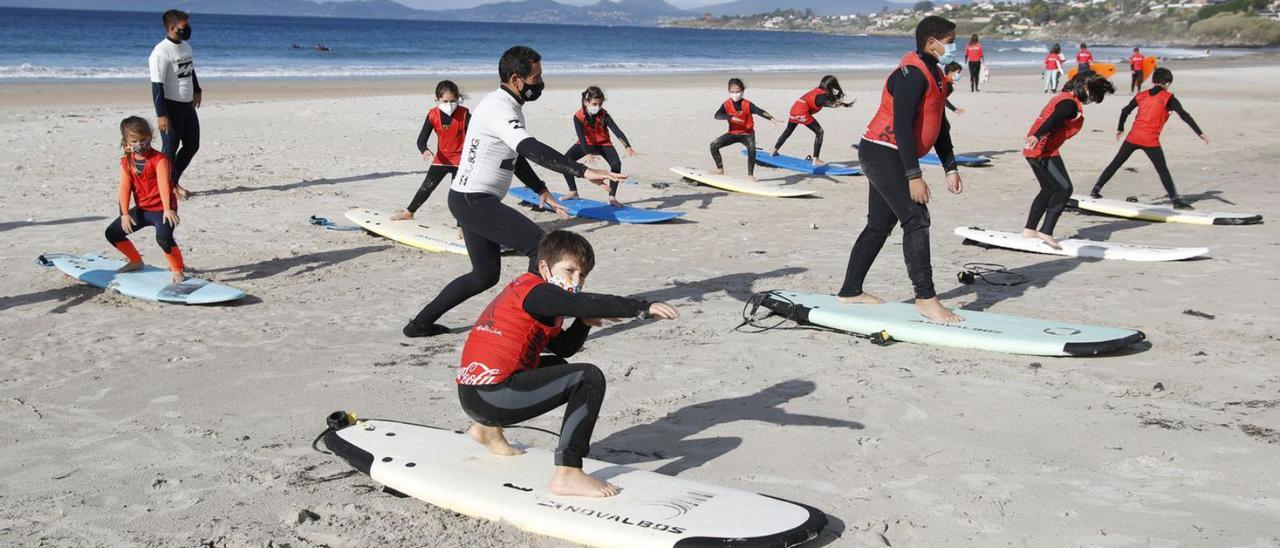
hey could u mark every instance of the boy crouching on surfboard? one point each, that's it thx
(504, 379)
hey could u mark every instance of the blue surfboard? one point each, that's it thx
(802, 165)
(591, 209)
(150, 283)
(970, 161)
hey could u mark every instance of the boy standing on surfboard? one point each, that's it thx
(910, 121)
(504, 379)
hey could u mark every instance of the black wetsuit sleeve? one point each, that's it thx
(545, 156)
(825, 101)
(1124, 113)
(528, 176)
(760, 112)
(1175, 106)
(570, 341)
(157, 97)
(581, 131)
(950, 106)
(613, 126)
(721, 114)
(946, 152)
(424, 135)
(907, 87)
(195, 82)
(546, 302)
(1063, 113)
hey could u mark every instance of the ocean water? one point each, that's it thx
(38, 44)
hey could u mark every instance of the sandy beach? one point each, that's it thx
(132, 423)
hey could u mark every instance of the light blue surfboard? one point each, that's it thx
(802, 165)
(591, 209)
(970, 161)
(980, 330)
(150, 283)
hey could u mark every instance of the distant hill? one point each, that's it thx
(819, 7)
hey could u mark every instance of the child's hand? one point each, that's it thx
(960, 111)
(735, 119)
(1030, 142)
(427, 154)
(663, 311)
(919, 190)
(171, 218)
(1119, 134)
(599, 176)
(1204, 138)
(126, 223)
(631, 151)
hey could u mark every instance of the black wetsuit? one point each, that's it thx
(534, 392)
(182, 141)
(1051, 173)
(889, 197)
(823, 101)
(748, 140)
(1155, 154)
(435, 173)
(610, 154)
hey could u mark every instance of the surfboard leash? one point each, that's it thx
(991, 273)
(751, 317)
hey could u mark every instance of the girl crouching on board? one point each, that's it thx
(592, 123)
(740, 113)
(828, 94)
(146, 181)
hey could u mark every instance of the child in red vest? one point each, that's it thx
(740, 113)
(1053, 68)
(504, 378)
(1153, 106)
(1060, 120)
(952, 71)
(827, 94)
(592, 123)
(449, 122)
(145, 179)
(1135, 66)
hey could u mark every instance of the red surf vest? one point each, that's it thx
(928, 114)
(1052, 61)
(597, 133)
(1084, 57)
(748, 124)
(1048, 145)
(146, 187)
(1153, 112)
(506, 339)
(805, 107)
(973, 52)
(1135, 61)
(449, 139)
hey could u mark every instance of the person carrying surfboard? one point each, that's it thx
(740, 113)
(911, 120)
(498, 148)
(146, 181)
(504, 378)
(976, 57)
(1084, 58)
(827, 94)
(593, 123)
(1154, 106)
(449, 121)
(1136, 62)
(1058, 121)
(1053, 70)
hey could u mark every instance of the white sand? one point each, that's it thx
(132, 423)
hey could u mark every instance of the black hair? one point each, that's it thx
(829, 83)
(1162, 76)
(562, 244)
(592, 92)
(517, 61)
(1135, 49)
(973, 39)
(1089, 86)
(952, 67)
(1083, 45)
(1055, 49)
(173, 17)
(447, 86)
(737, 82)
(932, 27)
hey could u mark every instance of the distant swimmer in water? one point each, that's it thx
(323, 48)
(740, 113)
(828, 94)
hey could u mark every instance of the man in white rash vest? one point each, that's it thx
(175, 91)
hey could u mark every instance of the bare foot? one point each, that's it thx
(178, 277)
(753, 178)
(1049, 240)
(1029, 233)
(614, 202)
(182, 192)
(773, 152)
(818, 162)
(933, 309)
(131, 266)
(492, 439)
(570, 196)
(405, 215)
(575, 482)
(718, 171)
(864, 298)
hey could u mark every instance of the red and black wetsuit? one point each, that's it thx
(148, 183)
(450, 130)
(974, 55)
(1061, 119)
(593, 138)
(1135, 64)
(1154, 107)
(802, 114)
(743, 132)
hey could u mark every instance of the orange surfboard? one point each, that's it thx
(1107, 70)
(1148, 66)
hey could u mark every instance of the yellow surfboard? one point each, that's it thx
(734, 184)
(413, 233)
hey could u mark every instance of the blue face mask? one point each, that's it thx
(948, 53)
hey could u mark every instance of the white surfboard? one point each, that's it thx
(1159, 213)
(734, 184)
(413, 233)
(450, 470)
(150, 283)
(980, 330)
(1071, 247)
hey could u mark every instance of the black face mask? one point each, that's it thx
(532, 92)
(184, 34)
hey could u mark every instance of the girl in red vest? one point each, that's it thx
(952, 71)
(974, 55)
(740, 113)
(505, 379)
(1153, 106)
(1083, 58)
(145, 179)
(1135, 66)
(1053, 70)
(827, 94)
(1060, 120)
(449, 121)
(592, 123)
(909, 122)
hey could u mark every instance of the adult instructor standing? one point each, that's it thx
(175, 90)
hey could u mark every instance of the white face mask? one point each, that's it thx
(593, 109)
(735, 96)
(447, 107)
(566, 285)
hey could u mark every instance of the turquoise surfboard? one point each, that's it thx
(150, 283)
